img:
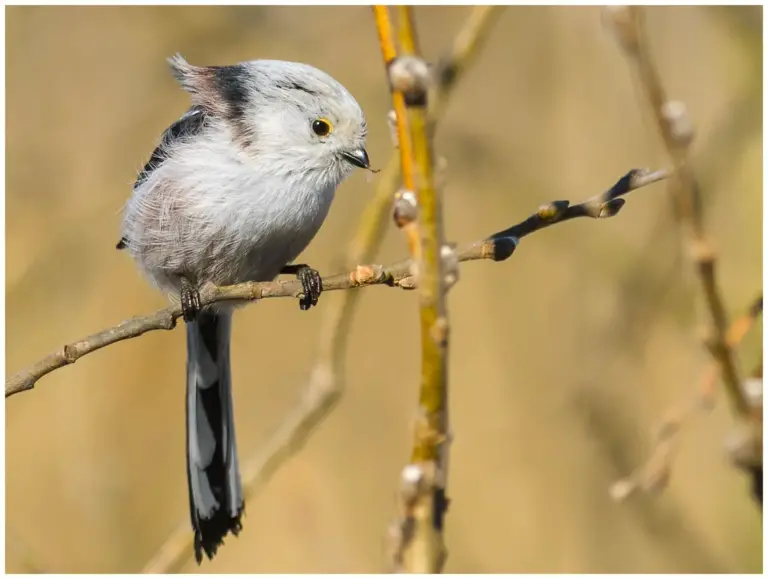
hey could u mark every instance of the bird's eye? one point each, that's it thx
(322, 127)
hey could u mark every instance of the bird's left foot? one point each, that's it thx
(311, 283)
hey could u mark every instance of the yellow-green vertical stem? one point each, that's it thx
(434, 326)
(389, 54)
(421, 548)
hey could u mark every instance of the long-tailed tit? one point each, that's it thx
(234, 192)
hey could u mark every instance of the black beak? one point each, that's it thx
(358, 157)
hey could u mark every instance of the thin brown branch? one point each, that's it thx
(497, 248)
(457, 59)
(606, 204)
(653, 475)
(676, 129)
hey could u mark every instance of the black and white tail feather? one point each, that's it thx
(215, 492)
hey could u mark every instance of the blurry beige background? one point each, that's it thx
(563, 358)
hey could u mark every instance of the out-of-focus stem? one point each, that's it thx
(451, 66)
(676, 129)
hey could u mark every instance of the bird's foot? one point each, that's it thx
(190, 300)
(311, 282)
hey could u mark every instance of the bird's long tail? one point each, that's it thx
(215, 492)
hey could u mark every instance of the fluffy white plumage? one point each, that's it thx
(243, 193)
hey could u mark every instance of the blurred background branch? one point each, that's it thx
(676, 128)
(654, 474)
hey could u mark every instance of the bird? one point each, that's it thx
(235, 190)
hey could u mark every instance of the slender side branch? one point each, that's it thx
(600, 206)
(497, 247)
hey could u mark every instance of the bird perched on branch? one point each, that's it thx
(234, 192)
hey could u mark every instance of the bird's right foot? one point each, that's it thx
(190, 300)
(311, 282)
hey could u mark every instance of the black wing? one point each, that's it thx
(190, 124)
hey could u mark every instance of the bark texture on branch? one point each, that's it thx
(497, 247)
